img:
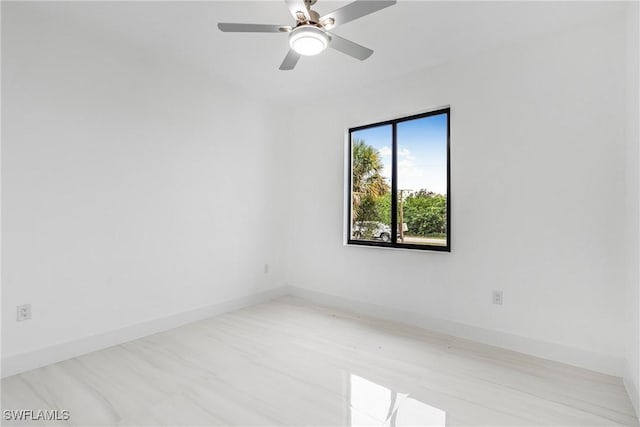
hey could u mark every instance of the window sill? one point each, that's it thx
(401, 246)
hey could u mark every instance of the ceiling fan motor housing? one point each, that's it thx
(314, 17)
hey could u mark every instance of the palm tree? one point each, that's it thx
(367, 182)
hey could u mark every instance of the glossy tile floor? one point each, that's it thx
(288, 362)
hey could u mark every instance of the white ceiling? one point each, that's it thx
(409, 36)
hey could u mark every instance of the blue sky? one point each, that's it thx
(422, 152)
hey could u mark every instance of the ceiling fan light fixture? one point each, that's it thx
(308, 40)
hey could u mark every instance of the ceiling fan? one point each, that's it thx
(310, 35)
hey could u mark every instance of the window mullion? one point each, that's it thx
(394, 184)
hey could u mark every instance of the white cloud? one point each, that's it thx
(409, 175)
(404, 153)
(414, 174)
(385, 151)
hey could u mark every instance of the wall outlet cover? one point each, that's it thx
(496, 297)
(24, 312)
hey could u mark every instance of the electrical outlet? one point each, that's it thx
(497, 297)
(24, 312)
(266, 269)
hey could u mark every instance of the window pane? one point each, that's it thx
(371, 184)
(422, 180)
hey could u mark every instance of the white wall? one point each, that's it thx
(632, 371)
(134, 186)
(538, 194)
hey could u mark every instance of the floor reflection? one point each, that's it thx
(373, 404)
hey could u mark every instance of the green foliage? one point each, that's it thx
(366, 209)
(383, 208)
(425, 213)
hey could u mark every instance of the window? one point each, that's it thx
(399, 180)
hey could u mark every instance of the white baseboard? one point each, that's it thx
(632, 388)
(577, 357)
(18, 363)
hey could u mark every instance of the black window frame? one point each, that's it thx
(394, 184)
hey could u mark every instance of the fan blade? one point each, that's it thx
(296, 7)
(348, 47)
(252, 28)
(290, 60)
(354, 10)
